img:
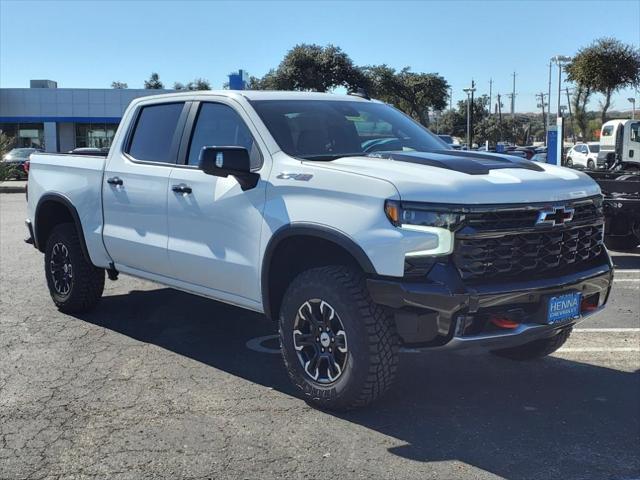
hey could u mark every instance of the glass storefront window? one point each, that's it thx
(24, 135)
(97, 135)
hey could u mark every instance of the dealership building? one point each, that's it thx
(61, 119)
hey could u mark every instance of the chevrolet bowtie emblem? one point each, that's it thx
(555, 216)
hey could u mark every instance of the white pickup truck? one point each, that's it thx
(355, 228)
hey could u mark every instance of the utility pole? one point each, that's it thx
(573, 132)
(549, 100)
(540, 96)
(490, 86)
(450, 98)
(513, 97)
(500, 116)
(473, 89)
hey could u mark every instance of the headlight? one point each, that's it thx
(419, 215)
(434, 223)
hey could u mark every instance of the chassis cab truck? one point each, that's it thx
(354, 228)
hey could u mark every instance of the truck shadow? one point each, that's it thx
(551, 418)
(627, 262)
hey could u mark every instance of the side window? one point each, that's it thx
(607, 131)
(154, 132)
(635, 132)
(218, 125)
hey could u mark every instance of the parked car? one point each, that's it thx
(528, 151)
(17, 158)
(448, 139)
(90, 151)
(539, 157)
(583, 155)
(271, 201)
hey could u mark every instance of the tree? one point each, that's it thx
(179, 86)
(199, 84)
(454, 122)
(413, 93)
(605, 66)
(7, 170)
(154, 82)
(579, 101)
(117, 84)
(311, 67)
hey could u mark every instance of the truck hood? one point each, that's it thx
(459, 177)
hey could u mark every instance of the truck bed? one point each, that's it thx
(78, 178)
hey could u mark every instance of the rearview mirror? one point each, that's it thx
(225, 161)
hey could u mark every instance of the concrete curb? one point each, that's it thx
(13, 187)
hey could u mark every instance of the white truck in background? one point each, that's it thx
(352, 226)
(620, 182)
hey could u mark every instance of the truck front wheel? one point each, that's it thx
(74, 283)
(536, 349)
(340, 349)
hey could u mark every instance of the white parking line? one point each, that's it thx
(605, 330)
(616, 280)
(627, 270)
(599, 349)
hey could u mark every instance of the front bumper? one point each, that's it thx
(444, 312)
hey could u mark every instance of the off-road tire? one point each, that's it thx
(536, 349)
(621, 242)
(372, 355)
(87, 282)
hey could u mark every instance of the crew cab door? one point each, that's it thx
(136, 186)
(214, 226)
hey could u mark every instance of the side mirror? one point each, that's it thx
(225, 161)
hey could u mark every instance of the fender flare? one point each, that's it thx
(64, 201)
(308, 230)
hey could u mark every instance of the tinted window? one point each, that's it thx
(153, 135)
(635, 132)
(219, 125)
(326, 129)
(607, 131)
(594, 148)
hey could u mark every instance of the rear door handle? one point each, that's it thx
(114, 181)
(182, 188)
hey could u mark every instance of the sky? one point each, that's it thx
(92, 43)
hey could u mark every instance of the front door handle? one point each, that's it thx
(182, 188)
(114, 181)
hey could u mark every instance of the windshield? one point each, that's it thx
(326, 129)
(21, 152)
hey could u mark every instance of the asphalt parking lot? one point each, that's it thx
(161, 384)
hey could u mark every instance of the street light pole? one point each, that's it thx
(633, 107)
(549, 104)
(469, 91)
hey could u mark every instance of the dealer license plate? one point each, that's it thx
(563, 307)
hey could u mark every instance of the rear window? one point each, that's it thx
(607, 131)
(153, 136)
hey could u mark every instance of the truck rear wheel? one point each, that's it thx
(74, 283)
(536, 349)
(340, 349)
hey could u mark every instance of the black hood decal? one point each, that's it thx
(471, 163)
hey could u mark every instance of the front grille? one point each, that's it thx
(501, 218)
(527, 254)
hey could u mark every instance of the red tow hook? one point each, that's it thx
(502, 322)
(587, 306)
